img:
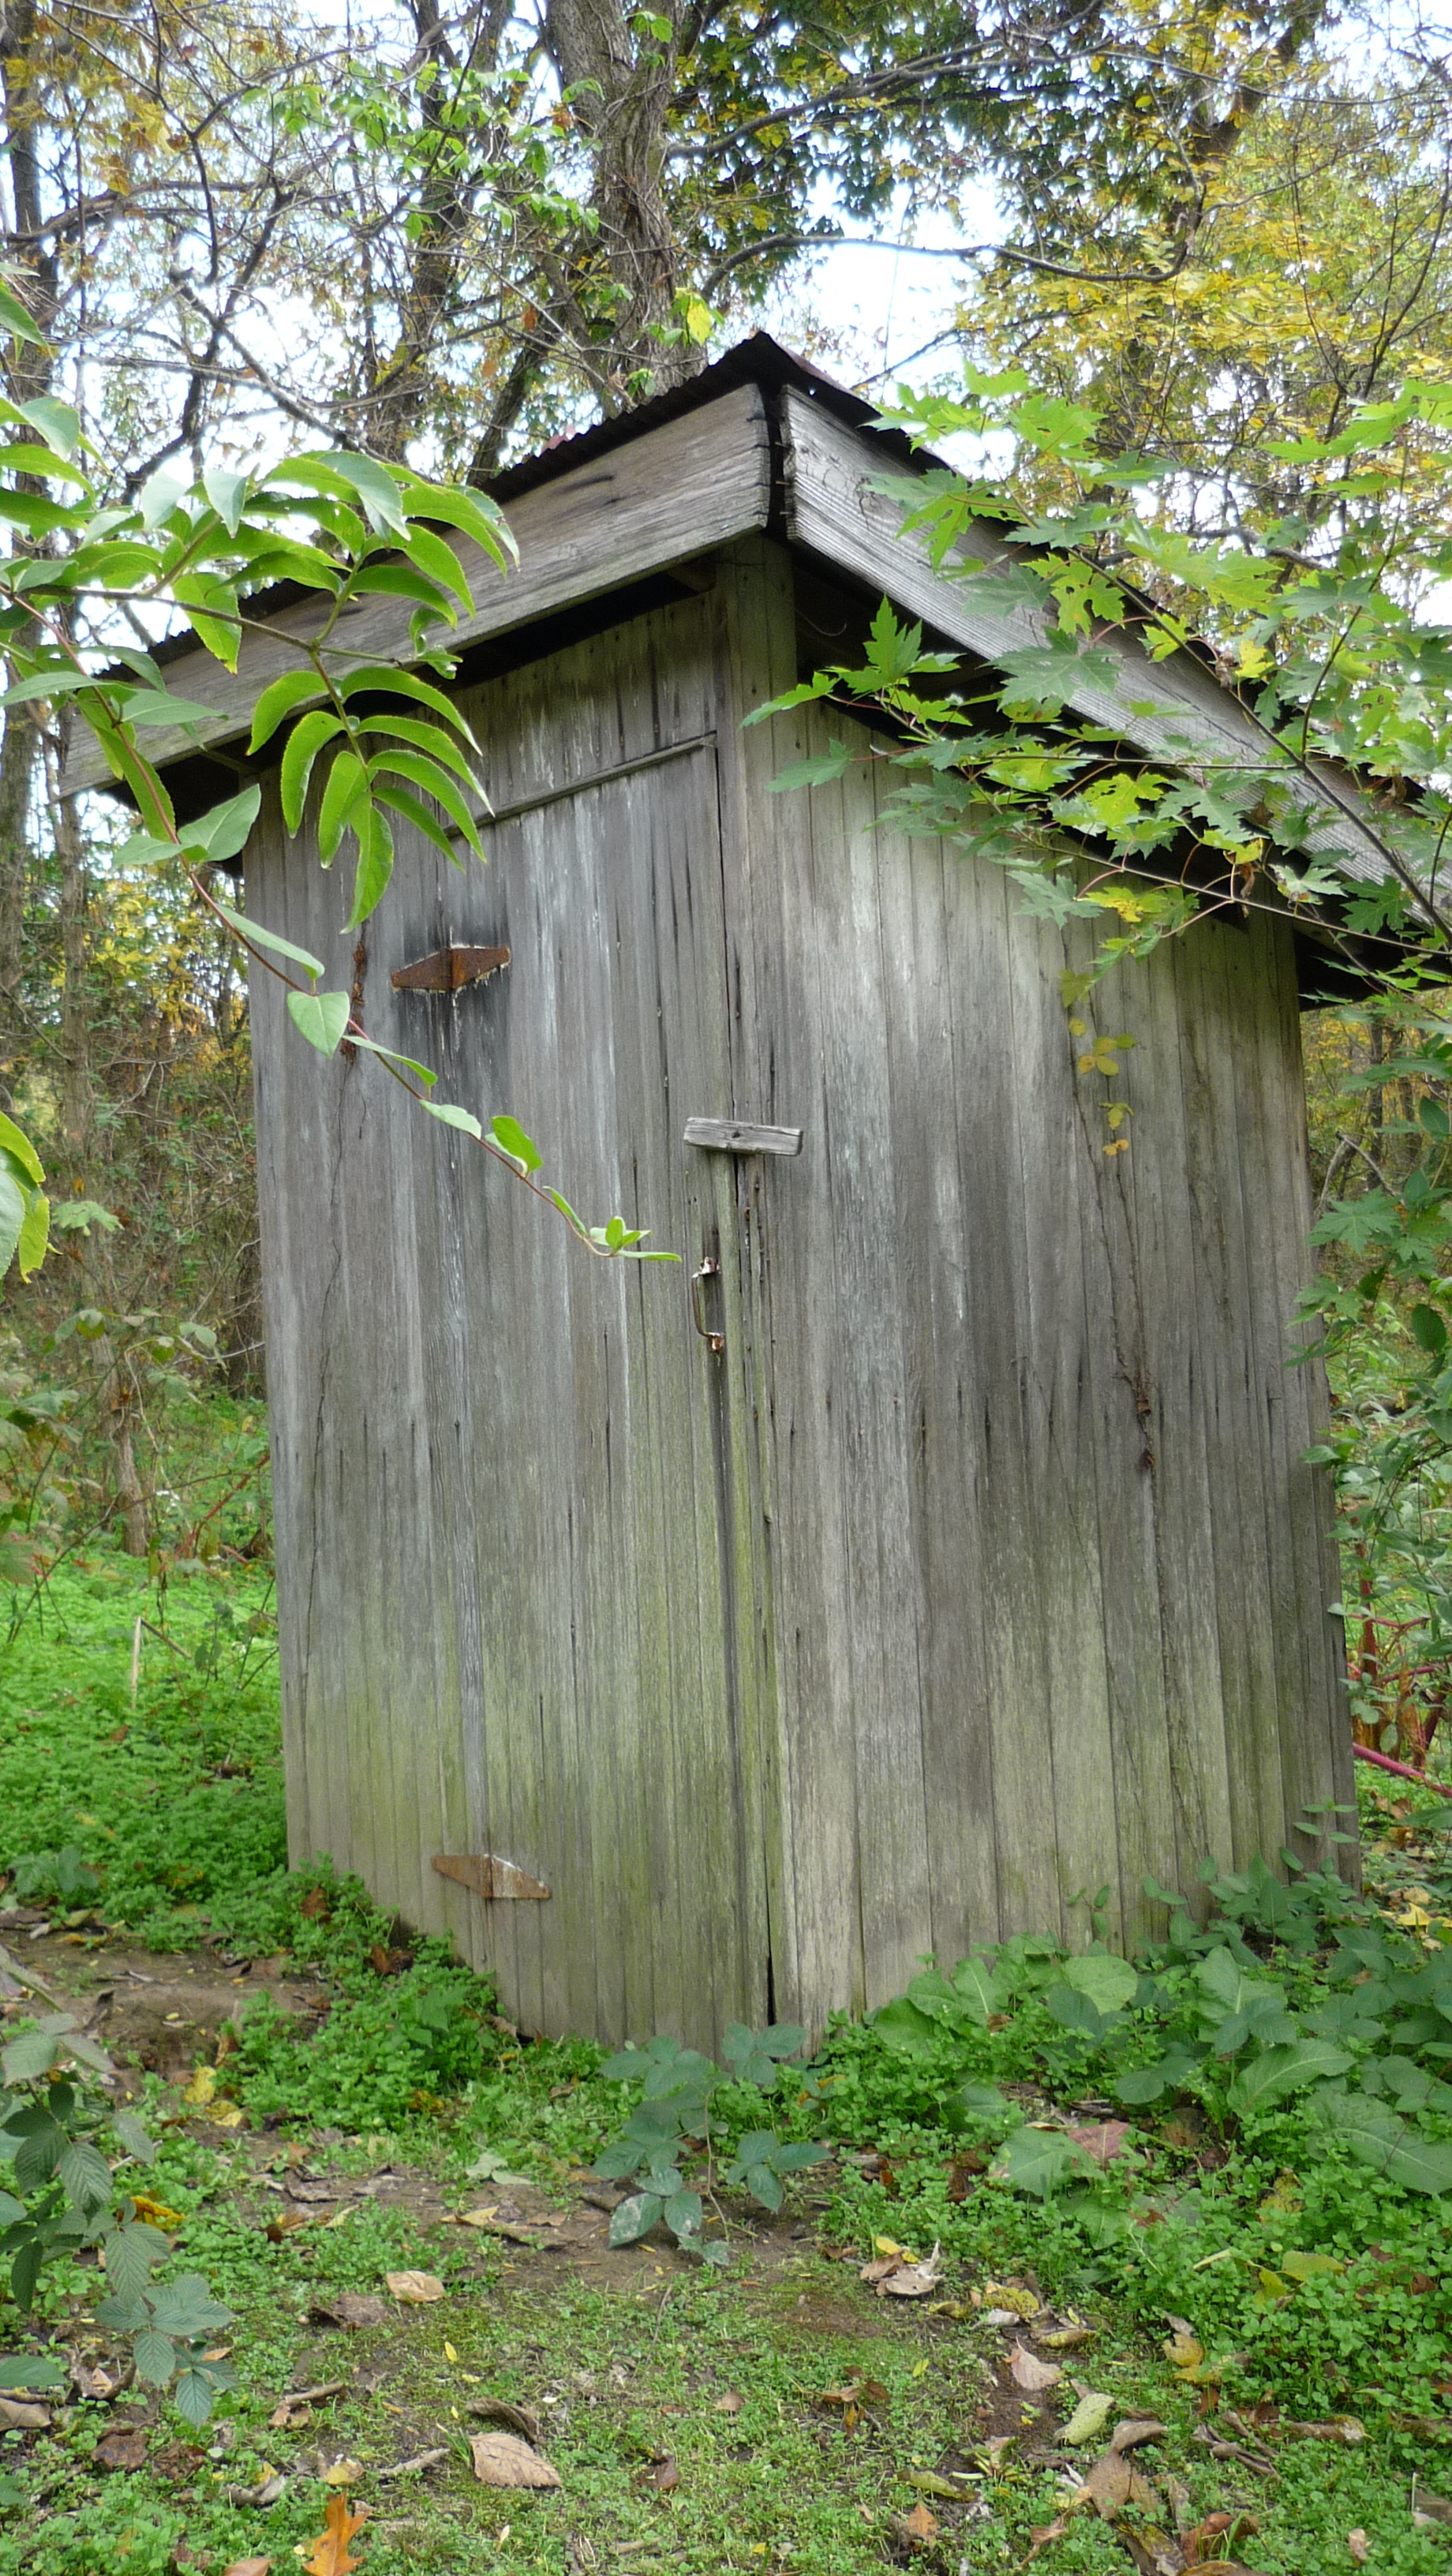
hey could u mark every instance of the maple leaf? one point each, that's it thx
(330, 2551)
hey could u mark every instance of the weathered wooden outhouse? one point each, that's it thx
(934, 1544)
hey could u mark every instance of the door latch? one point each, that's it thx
(709, 1269)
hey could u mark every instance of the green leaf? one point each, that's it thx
(383, 679)
(429, 738)
(278, 700)
(152, 708)
(979, 1991)
(321, 1018)
(905, 2029)
(374, 485)
(818, 771)
(1378, 2136)
(227, 492)
(58, 423)
(634, 2218)
(34, 1241)
(225, 829)
(84, 2174)
(435, 782)
(186, 2307)
(16, 1142)
(31, 2372)
(449, 1116)
(212, 614)
(345, 792)
(375, 863)
(391, 1055)
(303, 745)
(684, 2213)
(34, 2052)
(402, 581)
(1037, 2161)
(402, 801)
(42, 460)
(131, 2256)
(270, 939)
(1109, 1983)
(439, 561)
(764, 2186)
(154, 2355)
(1073, 2011)
(192, 2396)
(512, 1140)
(15, 319)
(159, 496)
(471, 512)
(1275, 2072)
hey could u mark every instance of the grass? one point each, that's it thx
(634, 2363)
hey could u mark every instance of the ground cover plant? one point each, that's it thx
(1042, 2198)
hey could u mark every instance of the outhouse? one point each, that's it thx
(932, 1547)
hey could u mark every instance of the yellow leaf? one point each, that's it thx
(201, 2088)
(449, 2352)
(342, 2473)
(1013, 2295)
(331, 2556)
(415, 2289)
(154, 2213)
(1185, 2351)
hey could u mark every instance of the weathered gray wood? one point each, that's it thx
(1173, 709)
(738, 1136)
(668, 495)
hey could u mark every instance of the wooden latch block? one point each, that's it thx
(448, 968)
(488, 1877)
(740, 1136)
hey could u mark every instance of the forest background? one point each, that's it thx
(444, 238)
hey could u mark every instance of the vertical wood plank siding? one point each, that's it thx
(979, 1571)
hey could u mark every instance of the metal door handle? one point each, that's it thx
(709, 1270)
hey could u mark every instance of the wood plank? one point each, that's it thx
(672, 493)
(1174, 710)
(738, 1136)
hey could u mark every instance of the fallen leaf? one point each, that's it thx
(201, 2088)
(1015, 2296)
(663, 2475)
(23, 2417)
(1336, 2428)
(414, 2289)
(249, 2567)
(1063, 2338)
(121, 2451)
(492, 2226)
(912, 2280)
(919, 2528)
(1359, 2546)
(311, 2191)
(1206, 2544)
(731, 2403)
(1106, 2490)
(348, 2309)
(1102, 2139)
(286, 2225)
(515, 2419)
(1047, 2532)
(502, 2460)
(1027, 2371)
(1432, 2510)
(928, 2482)
(1136, 2429)
(1184, 2350)
(1089, 2418)
(154, 2213)
(343, 2473)
(331, 2554)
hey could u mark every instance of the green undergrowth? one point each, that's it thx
(175, 1802)
(1231, 2159)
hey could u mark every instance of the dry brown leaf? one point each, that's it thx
(879, 2270)
(1359, 2546)
(121, 2451)
(732, 2403)
(1107, 2488)
(502, 2460)
(1048, 2532)
(1335, 2428)
(913, 2280)
(1027, 2371)
(24, 2417)
(414, 2289)
(1206, 2545)
(1102, 2139)
(331, 2554)
(918, 2528)
(662, 2474)
(1136, 2429)
(515, 2419)
(348, 2309)
(249, 2567)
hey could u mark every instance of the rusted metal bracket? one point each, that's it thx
(710, 1269)
(448, 968)
(487, 1876)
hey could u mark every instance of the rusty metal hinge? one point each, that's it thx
(487, 1876)
(448, 968)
